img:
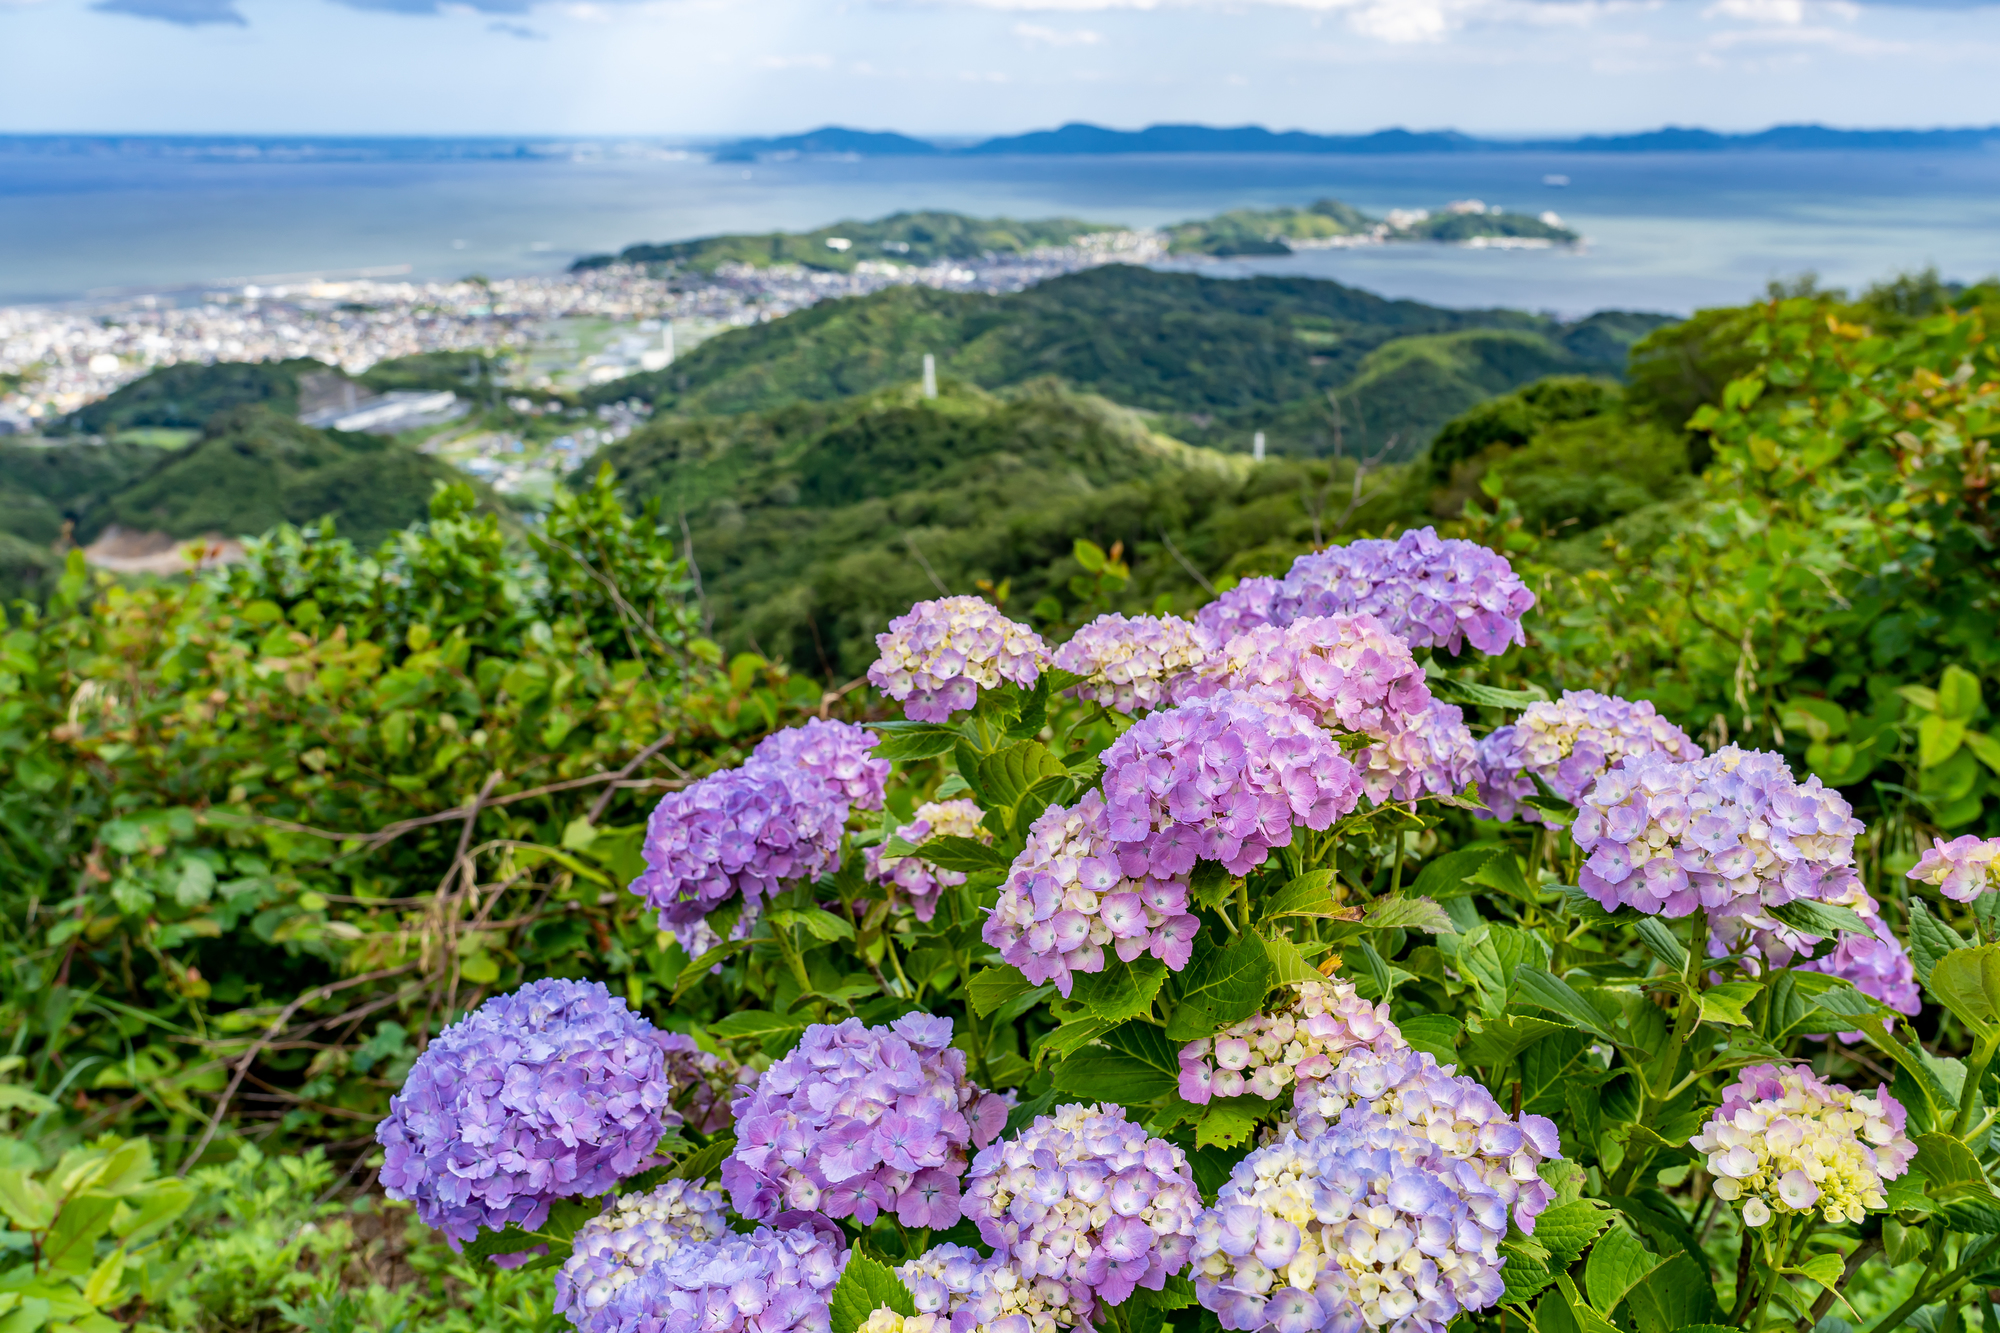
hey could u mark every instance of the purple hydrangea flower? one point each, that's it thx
(1244, 607)
(1294, 1046)
(1434, 755)
(749, 830)
(1225, 778)
(769, 1282)
(1734, 833)
(702, 1082)
(1569, 744)
(1085, 1198)
(1786, 1140)
(859, 1120)
(634, 1233)
(1430, 591)
(1068, 897)
(920, 881)
(554, 1091)
(955, 1289)
(839, 755)
(1131, 662)
(1962, 869)
(938, 656)
(1390, 1216)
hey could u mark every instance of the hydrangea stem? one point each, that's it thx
(1975, 1074)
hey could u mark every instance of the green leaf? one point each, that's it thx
(817, 921)
(966, 856)
(1938, 739)
(1230, 1122)
(756, 1024)
(1659, 940)
(904, 742)
(1567, 1230)
(1930, 940)
(1006, 775)
(25, 1200)
(1526, 1270)
(1373, 981)
(1984, 748)
(1220, 986)
(1176, 1294)
(1436, 1034)
(865, 1286)
(1122, 990)
(1958, 694)
(1724, 1003)
(1967, 982)
(1450, 876)
(70, 1246)
(1488, 696)
(1546, 990)
(1618, 1263)
(1490, 955)
(509, 1240)
(1675, 1298)
(703, 1163)
(995, 988)
(1947, 1162)
(1209, 884)
(1131, 1065)
(1823, 919)
(1071, 1037)
(1499, 1040)
(1311, 894)
(1288, 966)
(1408, 914)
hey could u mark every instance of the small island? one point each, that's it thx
(1329, 223)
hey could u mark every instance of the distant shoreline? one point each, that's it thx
(1076, 139)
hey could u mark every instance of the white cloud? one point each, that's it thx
(813, 60)
(1758, 11)
(1034, 34)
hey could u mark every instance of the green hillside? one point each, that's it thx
(902, 238)
(1264, 231)
(184, 397)
(1218, 358)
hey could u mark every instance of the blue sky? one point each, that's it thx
(969, 67)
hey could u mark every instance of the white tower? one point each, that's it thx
(930, 375)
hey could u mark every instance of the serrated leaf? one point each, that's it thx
(1909, 1193)
(1489, 955)
(1230, 1122)
(1546, 990)
(1499, 1040)
(866, 1285)
(1003, 992)
(1618, 1263)
(1122, 990)
(1288, 966)
(1525, 1271)
(1221, 984)
(1675, 1298)
(1208, 883)
(1177, 1293)
(906, 742)
(1071, 1037)
(1450, 876)
(1659, 940)
(1587, 909)
(1930, 940)
(816, 921)
(965, 856)
(1408, 914)
(1824, 919)
(1006, 775)
(1436, 1034)
(703, 1163)
(1947, 1162)
(1125, 1066)
(1723, 1003)
(1311, 894)
(1567, 1230)
(1967, 982)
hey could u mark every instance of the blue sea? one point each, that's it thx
(1671, 232)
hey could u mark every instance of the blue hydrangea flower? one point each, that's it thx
(555, 1091)
(634, 1233)
(769, 1282)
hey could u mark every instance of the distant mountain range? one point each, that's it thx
(1079, 139)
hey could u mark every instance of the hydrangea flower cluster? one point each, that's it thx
(976, 1295)
(769, 1282)
(554, 1091)
(1569, 744)
(1346, 673)
(1359, 1226)
(1962, 869)
(1084, 1198)
(1733, 832)
(1293, 1047)
(1391, 1215)
(859, 1120)
(748, 830)
(634, 1233)
(840, 756)
(1431, 592)
(1130, 663)
(1434, 755)
(1243, 607)
(1068, 897)
(1224, 778)
(1785, 1140)
(920, 881)
(702, 1082)
(939, 655)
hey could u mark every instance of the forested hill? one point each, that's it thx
(1218, 358)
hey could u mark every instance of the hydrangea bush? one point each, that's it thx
(1264, 968)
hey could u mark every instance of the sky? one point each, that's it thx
(702, 69)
